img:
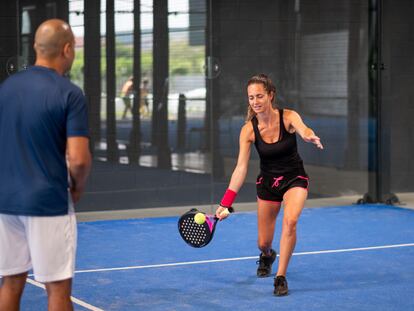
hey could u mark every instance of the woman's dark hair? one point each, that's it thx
(267, 85)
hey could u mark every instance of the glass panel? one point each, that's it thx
(150, 184)
(28, 20)
(316, 54)
(397, 96)
(76, 22)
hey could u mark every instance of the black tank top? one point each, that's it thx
(280, 158)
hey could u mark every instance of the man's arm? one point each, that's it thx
(79, 159)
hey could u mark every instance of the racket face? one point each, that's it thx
(194, 234)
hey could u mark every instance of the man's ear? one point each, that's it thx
(67, 49)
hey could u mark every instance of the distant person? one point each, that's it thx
(126, 93)
(282, 175)
(143, 104)
(44, 134)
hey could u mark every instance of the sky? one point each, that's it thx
(124, 21)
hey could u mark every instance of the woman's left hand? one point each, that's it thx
(314, 140)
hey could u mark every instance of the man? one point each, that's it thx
(43, 139)
(126, 92)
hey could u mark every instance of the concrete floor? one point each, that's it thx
(323, 184)
(407, 201)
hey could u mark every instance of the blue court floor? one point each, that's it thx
(346, 258)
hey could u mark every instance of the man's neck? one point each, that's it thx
(50, 64)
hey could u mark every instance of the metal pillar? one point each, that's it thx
(92, 68)
(379, 184)
(160, 84)
(111, 144)
(134, 145)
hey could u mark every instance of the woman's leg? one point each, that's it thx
(266, 217)
(294, 201)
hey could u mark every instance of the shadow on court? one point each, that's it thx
(346, 258)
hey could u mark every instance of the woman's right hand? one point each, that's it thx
(222, 212)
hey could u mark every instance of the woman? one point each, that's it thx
(282, 177)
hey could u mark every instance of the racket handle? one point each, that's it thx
(224, 213)
(230, 209)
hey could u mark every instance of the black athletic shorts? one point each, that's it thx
(273, 188)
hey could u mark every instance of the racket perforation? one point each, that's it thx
(196, 235)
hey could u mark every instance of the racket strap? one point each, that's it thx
(210, 222)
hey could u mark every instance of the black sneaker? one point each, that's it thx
(265, 264)
(281, 286)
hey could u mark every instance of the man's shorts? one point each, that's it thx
(273, 188)
(46, 244)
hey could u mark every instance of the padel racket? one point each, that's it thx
(194, 234)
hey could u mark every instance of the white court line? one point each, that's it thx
(74, 300)
(244, 258)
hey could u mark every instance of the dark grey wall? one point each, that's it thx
(316, 52)
(303, 47)
(398, 90)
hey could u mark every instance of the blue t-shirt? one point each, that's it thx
(39, 110)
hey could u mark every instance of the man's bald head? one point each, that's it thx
(51, 37)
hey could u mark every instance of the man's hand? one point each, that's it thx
(76, 194)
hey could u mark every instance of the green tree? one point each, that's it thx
(184, 60)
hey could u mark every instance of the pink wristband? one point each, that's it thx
(228, 198)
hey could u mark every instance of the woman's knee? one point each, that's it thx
(289, 225)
